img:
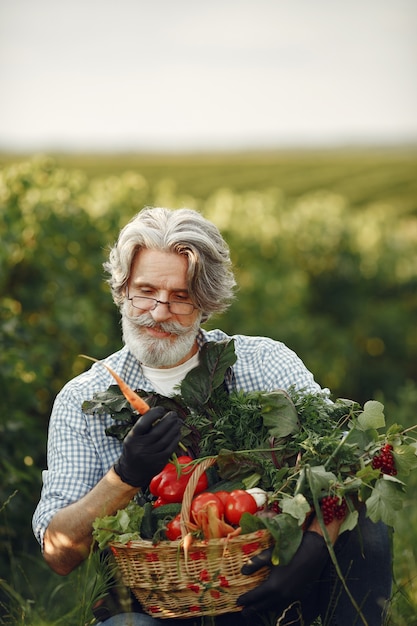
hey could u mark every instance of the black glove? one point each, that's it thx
(148, 447)
(286, 583)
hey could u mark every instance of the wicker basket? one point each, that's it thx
(208, 582)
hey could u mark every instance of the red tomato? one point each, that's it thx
(202, 501)
(239, 502)
(173, 530)
(222, 495)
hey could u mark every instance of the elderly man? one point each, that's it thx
(169, 272)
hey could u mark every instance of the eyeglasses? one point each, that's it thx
(144, 303)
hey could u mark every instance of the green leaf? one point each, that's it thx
(352, 484)
(123, 527)
(367, 474)
(372, 415)
(251, 523)
(279, 413)
(298, 507)
(219, 356)
(319, 479)
(285, 530)
(362, 438)
(124, 520)
(405, 458)
(350, 522)
(200, 382)
(385, 501)
(394, 429)
(110, 401)
(287, 534)
(237, 465)
(252, 480)
(119, 431)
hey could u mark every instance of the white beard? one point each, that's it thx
(154, 352)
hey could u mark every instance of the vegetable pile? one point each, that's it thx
(279, 458)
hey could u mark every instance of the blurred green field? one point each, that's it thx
(360, 175)
(325, 250)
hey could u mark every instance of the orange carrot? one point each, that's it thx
(211, 525)
(131, 396)
(186, 544)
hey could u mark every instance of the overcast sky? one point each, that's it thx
(186, 74)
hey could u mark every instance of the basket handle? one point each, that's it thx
(198, 471)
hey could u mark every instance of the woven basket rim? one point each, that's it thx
(198, 543)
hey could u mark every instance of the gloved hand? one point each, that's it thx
(286, 583)
(148, 447)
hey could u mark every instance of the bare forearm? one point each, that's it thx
(68, 537)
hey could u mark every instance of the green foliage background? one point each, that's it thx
(325, 251)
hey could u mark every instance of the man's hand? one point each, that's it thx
(286, 583)
(148, 446)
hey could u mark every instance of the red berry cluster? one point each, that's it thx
(384, 460)
(333, 508)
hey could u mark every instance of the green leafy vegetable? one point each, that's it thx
(298, 446)
(122, 527)
(279, 403)
(200, 383)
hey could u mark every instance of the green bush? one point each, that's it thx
(331, 271)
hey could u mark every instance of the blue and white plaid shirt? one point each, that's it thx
(79, 451)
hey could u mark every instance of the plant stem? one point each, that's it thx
(408, 429)
(330, 547)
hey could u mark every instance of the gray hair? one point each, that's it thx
(210, 277)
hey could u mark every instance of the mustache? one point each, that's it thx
(146, 320)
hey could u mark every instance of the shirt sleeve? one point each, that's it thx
(74, 461)
(79, 451)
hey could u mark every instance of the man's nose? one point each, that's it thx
(161, 312)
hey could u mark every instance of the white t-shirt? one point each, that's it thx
(164, 381)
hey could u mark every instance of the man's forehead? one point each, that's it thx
(163, 270)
